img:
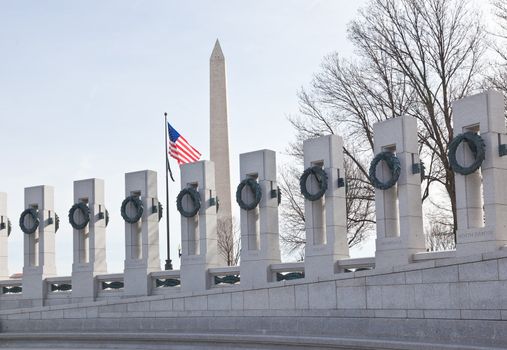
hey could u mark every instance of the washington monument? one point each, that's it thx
(219, 131)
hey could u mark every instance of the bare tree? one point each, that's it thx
(438, 239)
(292, 212)
(228, 240)
(413, 58)
(498, 77)
(439, 232)
(360, 204)
(500, 9)
(292, 208)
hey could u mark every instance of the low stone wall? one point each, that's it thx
(451, 300)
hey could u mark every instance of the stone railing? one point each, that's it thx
(59, 284)
(110, 285)
(58, 290)
(11, 287)
(287, 271)
(224, 276)
(358, 264)
(165, 281)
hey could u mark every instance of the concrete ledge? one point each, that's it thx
(445, 254)
(212, 341)
(257, 332)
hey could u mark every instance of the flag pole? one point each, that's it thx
(168, 262)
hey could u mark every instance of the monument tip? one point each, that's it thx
(217, 52)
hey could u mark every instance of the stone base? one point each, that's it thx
(136, 282)
(256, 273)
(390, 252)
(194, 277)
(83, 286)
(478, 241)
(321, 266)
(437, 303)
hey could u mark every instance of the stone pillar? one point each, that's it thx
(259, 226)
(141, 238)
(89, 242)
(400, 231)
(39, 247)
(325, 218)
(199, 250)
(481, 210)
(4, 234)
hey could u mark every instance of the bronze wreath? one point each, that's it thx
(34, 214)
(196, 200)
(138, 205)
(394, 166)
(256, 190)
(85, 210)
(477, 146)
(320, 176)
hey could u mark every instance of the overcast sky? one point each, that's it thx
(84, 85)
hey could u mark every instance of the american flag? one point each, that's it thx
(180, 149)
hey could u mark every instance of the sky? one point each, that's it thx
(84, 85)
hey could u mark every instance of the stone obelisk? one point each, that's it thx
(219, 131)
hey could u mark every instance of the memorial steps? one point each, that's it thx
(204, 341)
(457, 302)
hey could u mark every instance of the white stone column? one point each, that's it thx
(199, 250)
(481, 210)
(39, 247)
(325, 218)
(400, 231)
(141, 238)
(259, 226)
(4, 229)
(90, 242)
